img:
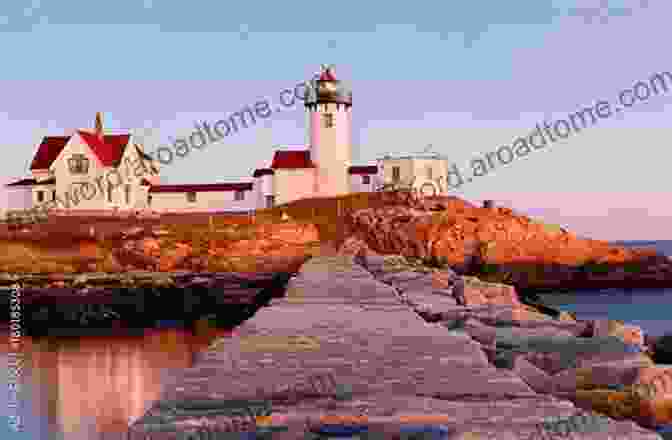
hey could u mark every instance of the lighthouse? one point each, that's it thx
(328, 105)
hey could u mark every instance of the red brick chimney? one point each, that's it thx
(99, 126)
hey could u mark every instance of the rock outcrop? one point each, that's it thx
(499, 245)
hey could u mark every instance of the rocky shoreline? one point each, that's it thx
(622, 382)
(493, 244)
(54, 303)
(499, 245)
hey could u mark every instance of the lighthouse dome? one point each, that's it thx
(325, 88)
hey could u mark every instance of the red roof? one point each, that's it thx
(49, 149)
(109, 151)
(366, 169)
(292, 159)
(327, 75)
(263, 172)
(206, 187)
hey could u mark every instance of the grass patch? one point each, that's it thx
(326, 213)
(591, 266)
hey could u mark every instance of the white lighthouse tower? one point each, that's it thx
(328, 103)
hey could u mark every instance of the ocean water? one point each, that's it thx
(648, 308)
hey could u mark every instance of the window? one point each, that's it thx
(40, 196)
(149, 200)
(109, 192)
(191, 196)
(78, 164)
(270, 201)
(53, 195)
(127, 193)
(396, 174)
(240, 195)
(328, 120)
(428, 171)
(366, 180)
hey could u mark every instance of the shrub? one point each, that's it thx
(435, 261)
(489, 269)
(592, 266)
(662, 349)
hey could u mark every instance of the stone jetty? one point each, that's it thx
(399, 347)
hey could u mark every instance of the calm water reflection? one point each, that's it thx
(89, 388)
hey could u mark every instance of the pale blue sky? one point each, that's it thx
(466, 78)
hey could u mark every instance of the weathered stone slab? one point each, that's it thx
(605, 376)
(628, 333)
(506, 335)
(428, 302)
(477, 292)
(537, 379)
(337, 280)
(380, 264)
(412, 280)
(576, 328)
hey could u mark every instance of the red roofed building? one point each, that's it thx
(288, 160)
(88, 170)
(318, 170)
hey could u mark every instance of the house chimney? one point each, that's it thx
(99, 125)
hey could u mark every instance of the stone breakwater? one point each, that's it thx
(414, 344)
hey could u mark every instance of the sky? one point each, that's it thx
(465, 77)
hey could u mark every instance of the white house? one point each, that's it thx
(88, 170)
(67, 167)
(426, 173)
(203, 197)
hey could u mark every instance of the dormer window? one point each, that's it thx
(328, 119)
(78, 164)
